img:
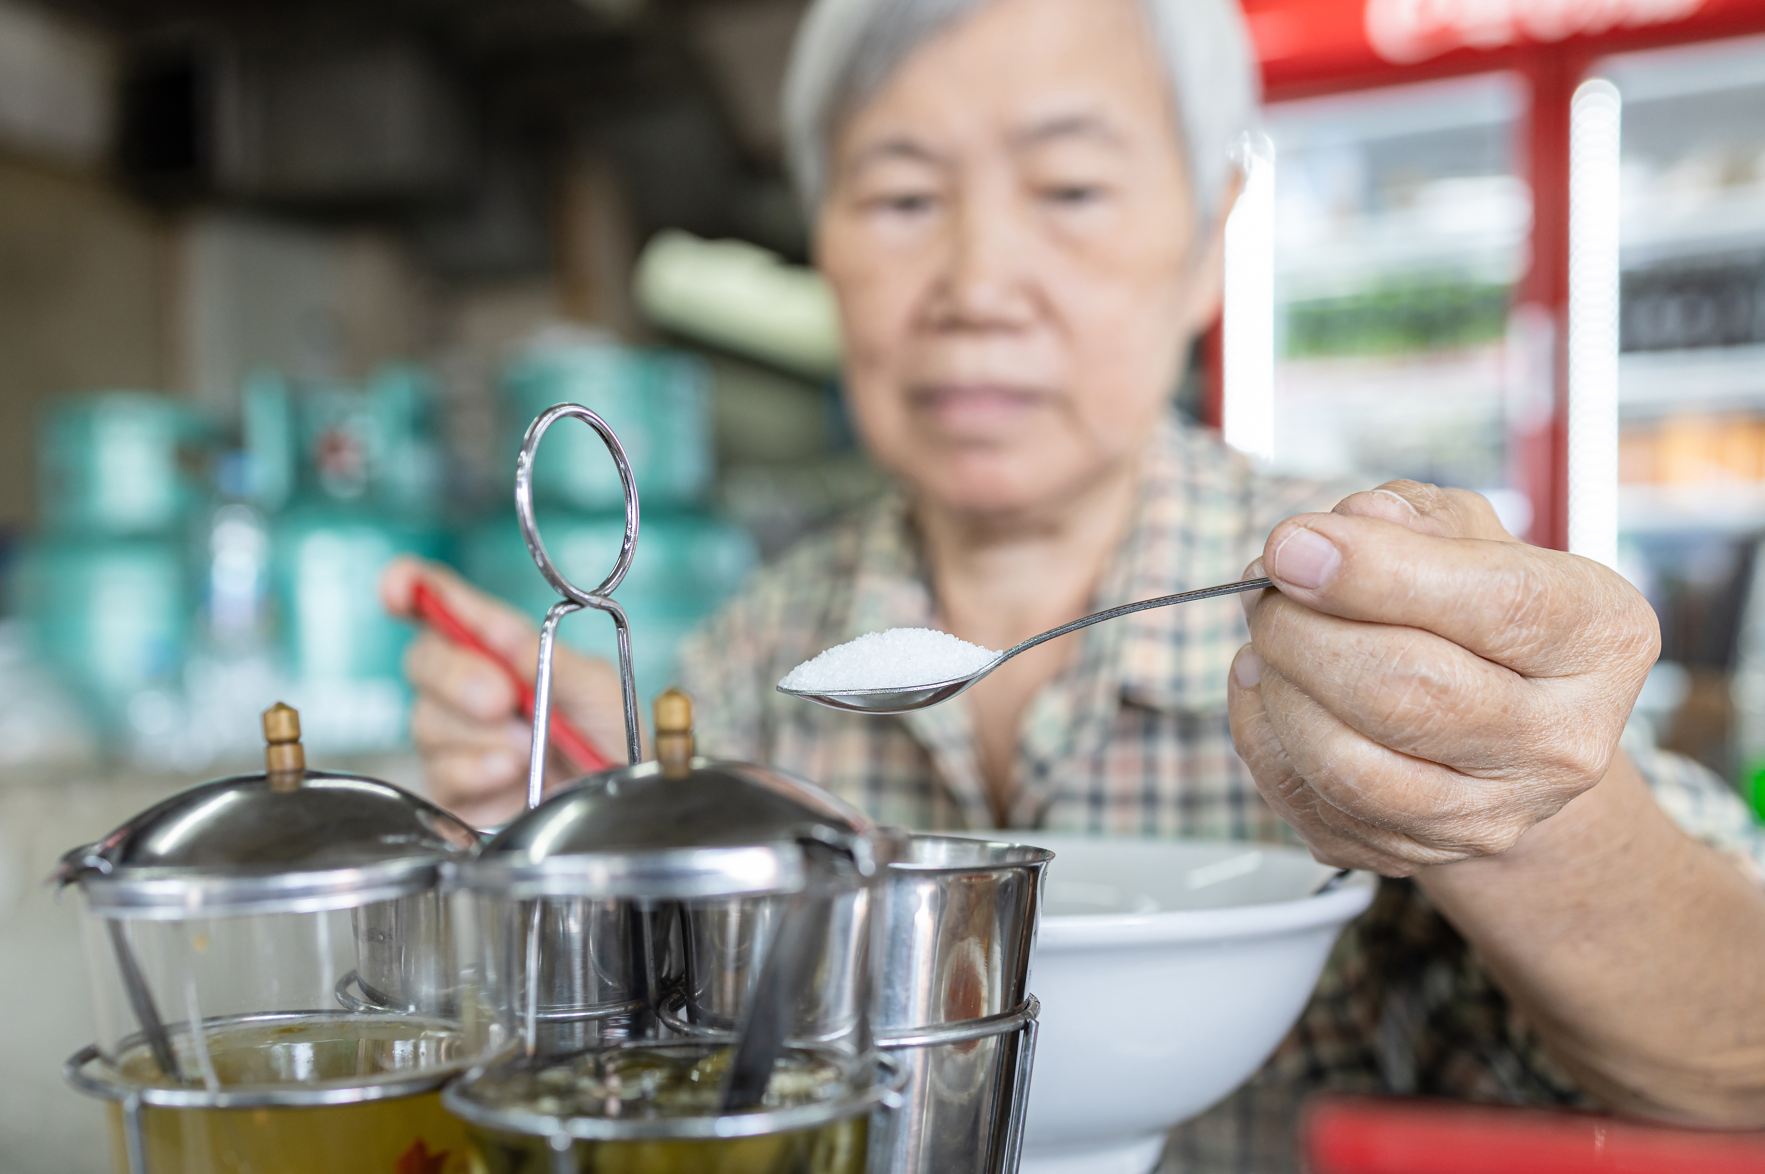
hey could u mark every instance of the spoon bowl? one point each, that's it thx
(896, 700)
(904, 698)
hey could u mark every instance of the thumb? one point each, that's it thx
(1541, 613)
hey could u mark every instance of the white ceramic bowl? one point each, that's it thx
(1168, 971)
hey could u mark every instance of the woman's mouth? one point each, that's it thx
(974, 410)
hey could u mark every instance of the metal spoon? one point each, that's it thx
(902, 698)
(787, 973)
(159, 1041)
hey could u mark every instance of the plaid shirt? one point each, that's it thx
(1132, 739)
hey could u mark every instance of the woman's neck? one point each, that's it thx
(1001, 579)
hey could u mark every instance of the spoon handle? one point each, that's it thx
(1130, 608)
(159, 1041)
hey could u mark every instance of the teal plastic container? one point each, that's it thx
(110, 614)
(374, 445)
(118, 463)
(657, 402)
(327, 565)
(408, 462)
(343, 654)
(687, 565)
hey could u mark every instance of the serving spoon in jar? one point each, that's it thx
(902, 698)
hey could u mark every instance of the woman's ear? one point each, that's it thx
(1207, 266)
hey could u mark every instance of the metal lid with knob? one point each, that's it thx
(681, 826)
(289, 840)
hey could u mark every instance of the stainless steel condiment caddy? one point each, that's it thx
(825, 980)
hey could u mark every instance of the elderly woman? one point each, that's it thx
(1019, 205)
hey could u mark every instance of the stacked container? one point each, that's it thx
(960, 920)
(277, 968)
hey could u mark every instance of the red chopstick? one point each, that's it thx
(576, 747)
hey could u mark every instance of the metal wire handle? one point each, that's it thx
(575, 599)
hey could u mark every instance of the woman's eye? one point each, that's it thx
(906, 203)
(1073, 195)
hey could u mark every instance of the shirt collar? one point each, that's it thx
(892, 589)
(1189, 530)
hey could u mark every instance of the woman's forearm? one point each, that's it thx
(1637, 952)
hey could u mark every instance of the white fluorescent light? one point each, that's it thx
(1248, 403)
(1593, 321)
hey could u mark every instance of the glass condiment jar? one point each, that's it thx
(277, 964)
(684, 952)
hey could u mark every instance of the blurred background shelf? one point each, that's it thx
(1735, 509)
(1401, 230)
(1694, 163)
(1709, 379)
(1378, 188)
(1659, 227)
(1691, 385)
(1421, 271)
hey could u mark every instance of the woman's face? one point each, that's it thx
(1008, 229)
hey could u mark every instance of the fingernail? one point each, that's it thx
(498, 764)
(1247, 599)
(519, 736)
(1247, 668)
(1306, 559)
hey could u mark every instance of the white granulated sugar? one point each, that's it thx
(895, 659)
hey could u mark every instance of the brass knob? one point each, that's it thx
(284, 757)
(674, 733)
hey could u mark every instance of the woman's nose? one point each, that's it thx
(987, 284)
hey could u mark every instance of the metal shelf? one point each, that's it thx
(1366, 251)
(1733, 508)
(1707, 379)
(1474, 372)
(1359, 261)
(1660, 229)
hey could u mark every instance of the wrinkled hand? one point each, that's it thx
(467, 723)
(1423, 687)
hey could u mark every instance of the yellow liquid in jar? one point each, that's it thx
(399, 1135)
(406, 1135)
(646, 1083)
(835, 1148)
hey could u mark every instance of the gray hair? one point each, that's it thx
(847, 49)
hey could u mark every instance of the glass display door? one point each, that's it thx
(1401, 233)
